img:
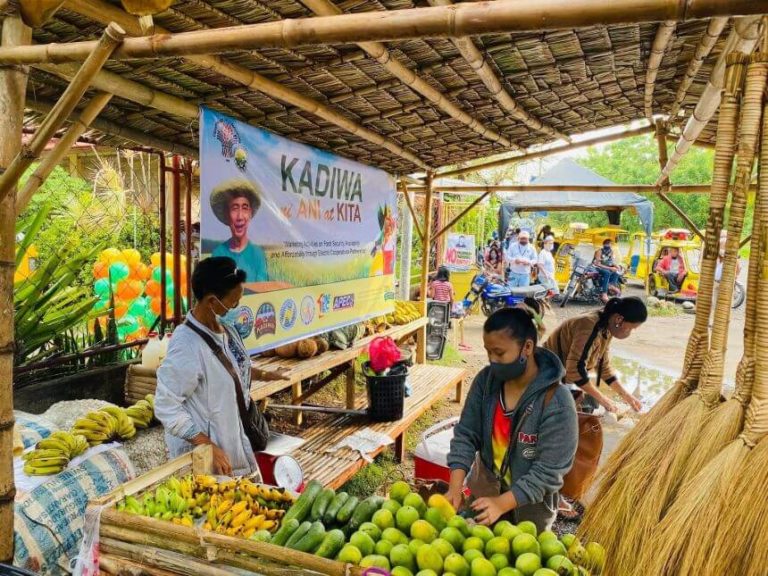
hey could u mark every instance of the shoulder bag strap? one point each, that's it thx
(222, 357)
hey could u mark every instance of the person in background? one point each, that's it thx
(441, 290)
(494, 261)
(235, 203)
(521, 257)
(546, 265)
(604, 261)
(672, 267)
(195, 398)
(518, 425)
(544, 233)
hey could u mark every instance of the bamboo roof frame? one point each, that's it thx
(660, 42)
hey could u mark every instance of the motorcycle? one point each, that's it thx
(492, 293)
(585, 284)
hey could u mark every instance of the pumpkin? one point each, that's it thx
(286, 351)
(306, 348)
(322, 344)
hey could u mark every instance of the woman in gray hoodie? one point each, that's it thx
(518, 425)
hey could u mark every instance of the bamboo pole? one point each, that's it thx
(707, 42)
(461, 215)
(176, 238)
(382, 55)
(637, 188)
(80, 125)
(408, 201)
(683, 216)
(35, 13)
(426, 243)
(546, 152)
(102, 12)
(743, 38)
(660, 42)
(13, 82)
(477, 61)
(465, 19)
(111, 38)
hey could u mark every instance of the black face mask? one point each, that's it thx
(510, 370)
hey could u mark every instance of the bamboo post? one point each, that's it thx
(102, 49)
(660, 42)
(176, 238)
(163, 243)
(421, 340)
(409, 202)
(188, 228)
(461, 214)
(679, 211)
(80, 125)
(13, 82)
(406, 248)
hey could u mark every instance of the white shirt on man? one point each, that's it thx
(517, 251)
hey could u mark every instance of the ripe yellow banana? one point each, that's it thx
(34, 470)
(223, 508)
(53, 444)
(43, 453)
(240, 519)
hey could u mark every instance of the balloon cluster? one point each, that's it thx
(135, 288)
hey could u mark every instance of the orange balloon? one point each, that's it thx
(144, 272)
(100, 270)
(152, 289)
(154, 305)
(121, 309)
(128, 290)
(155, 259)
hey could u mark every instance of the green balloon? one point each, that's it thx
(101, 305)
(128, 324)
(157, 275)
(101, 288)
(119, 271)
(169, 290)
(138, 307)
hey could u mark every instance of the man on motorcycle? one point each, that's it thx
(604, 261)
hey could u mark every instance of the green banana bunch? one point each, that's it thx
(43, 463)
(76, 443)
(97, 427)
(142, 412)
(133, 506)
(125, 427)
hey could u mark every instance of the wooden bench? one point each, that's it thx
(429, 383)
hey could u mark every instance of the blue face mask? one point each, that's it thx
(230, 316)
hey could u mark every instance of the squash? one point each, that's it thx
(287, 351)
(306, 348)
(322, 344)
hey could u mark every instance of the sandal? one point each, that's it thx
(568, 511)
(465, 348)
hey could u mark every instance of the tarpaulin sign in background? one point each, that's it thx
(315, 233)
(459, 252)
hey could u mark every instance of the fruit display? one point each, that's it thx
(405, 311)
(407, 536)
(52, 455)
(234, 507)
(142, 412)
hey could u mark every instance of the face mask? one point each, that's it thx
(230, 316)
(509, 371)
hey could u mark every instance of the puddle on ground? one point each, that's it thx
(644, 382)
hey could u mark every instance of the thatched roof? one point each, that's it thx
(574, 81)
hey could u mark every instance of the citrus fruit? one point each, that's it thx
(528, 563)
(544, 572)
(350, 555)
(405, 517)
(482, 567)
(509, 572)
(511, 533)
(473, 543)
(401, 555)
(499, 561)
(525, 544)
(415, 501)
(443, 546)
(500, 526)
(454, 536)
(426, 573)
(551, 548)
(423, 530)
(529, 527)
(461, 525)
(457, 564)
(383, 519)
(362, 542)
(595, 560)
(383, 547)
(371, 529)
(401, 571)
(414, 545)
(547, 535)
(568, 539)
(441, 503)
(435, 517)
(375, 561)
(427, 558)
(577, 553)
(483, 532)
(561, 565)
(399, 490)
(391, 505)
(470, 555)
(497, 545)
(394, 535)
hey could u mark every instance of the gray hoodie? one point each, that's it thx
(546, 443)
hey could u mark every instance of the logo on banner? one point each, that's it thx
(324, 304)
(243, 321)
(307, 310)
(389, 296)
(344, 302)
(288, 314)
(227, 135)
(266, 321)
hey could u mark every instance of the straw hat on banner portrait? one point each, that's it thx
(225, 192)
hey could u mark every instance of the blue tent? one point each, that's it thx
(567, 172)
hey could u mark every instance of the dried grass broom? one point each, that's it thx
(600, 523)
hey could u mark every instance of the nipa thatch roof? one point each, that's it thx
(575, 81)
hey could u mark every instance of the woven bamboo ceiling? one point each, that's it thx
(572, 81)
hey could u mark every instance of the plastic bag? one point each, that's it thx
(87, 561)
(383, 354)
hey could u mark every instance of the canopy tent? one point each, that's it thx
(568, 172)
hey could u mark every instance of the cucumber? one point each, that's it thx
(285, 531)
(303, 506)
(300, 532)
(345, 512)
(321, 504)
(338, 501)
(331, 544)
(364, 511)
(312, 539)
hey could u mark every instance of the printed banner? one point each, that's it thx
(459, 252)
(314, 233)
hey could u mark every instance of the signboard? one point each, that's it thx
(315, 233)
(459, 252)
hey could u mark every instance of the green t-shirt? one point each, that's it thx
(251, 259)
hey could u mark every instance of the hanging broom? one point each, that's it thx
(599, 521)
(675, 545)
